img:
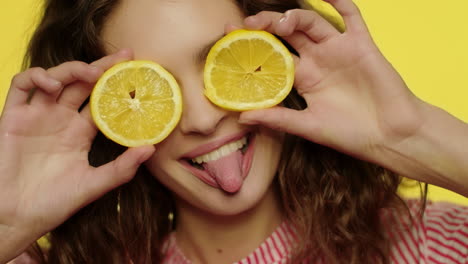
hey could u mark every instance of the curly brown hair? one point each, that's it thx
(333, 200)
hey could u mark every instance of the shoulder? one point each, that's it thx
(439, 236)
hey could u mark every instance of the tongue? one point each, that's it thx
(227, 171)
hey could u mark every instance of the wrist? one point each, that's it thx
(435, 153)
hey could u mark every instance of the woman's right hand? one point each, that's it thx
(45, 176)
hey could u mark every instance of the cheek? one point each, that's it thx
(167, 172)
(267, 155)
(160, 161)
(165, 167)
(155, 165)
(272, 148)
(272, 142)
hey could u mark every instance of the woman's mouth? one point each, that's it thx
(225, 167)
(223, 151)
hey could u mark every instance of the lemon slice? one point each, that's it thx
(136, 103)
(248, 69)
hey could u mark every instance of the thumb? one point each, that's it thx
(117, 172)
(279, 118)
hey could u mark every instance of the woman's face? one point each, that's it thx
(177, 34)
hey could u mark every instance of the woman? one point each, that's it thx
(326, 205)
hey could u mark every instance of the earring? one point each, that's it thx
(170, 216)
(118, 203)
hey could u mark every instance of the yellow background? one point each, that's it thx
(426, 40)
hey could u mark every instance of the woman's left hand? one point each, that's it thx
(358, 104)
(355, 100)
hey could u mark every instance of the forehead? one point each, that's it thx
(163, 30)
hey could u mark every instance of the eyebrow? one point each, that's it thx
(202, 53)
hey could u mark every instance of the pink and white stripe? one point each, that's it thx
(441, 237)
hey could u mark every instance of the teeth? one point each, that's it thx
(221, 152)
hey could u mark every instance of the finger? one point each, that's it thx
(109, 61)
(86, 114)
(312, 24)
(67, 73)
(228, 28)
(74, 75)
(72, 71)
(300, 42)
(74, 95)
(350, 13)
(115, 173)
(32, 80)
(264, 20)
(278, 118)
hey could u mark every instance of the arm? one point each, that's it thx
(437, 153)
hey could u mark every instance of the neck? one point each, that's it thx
(208, 238)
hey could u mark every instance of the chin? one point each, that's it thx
(252, 194)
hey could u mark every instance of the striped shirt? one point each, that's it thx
(440, 237)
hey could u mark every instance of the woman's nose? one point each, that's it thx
(199, 115)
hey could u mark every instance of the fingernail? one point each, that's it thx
(55, 83)
(94, 68)
(283, 18)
